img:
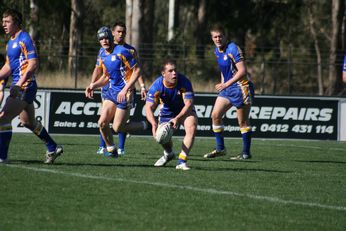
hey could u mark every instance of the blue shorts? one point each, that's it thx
(112, 95)
(239, 95)
(29, 93)
(166, 115)
(104, 92)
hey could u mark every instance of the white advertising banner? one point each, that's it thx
(40, 108)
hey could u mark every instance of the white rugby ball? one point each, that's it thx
(164, 133)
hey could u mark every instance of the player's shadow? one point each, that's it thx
(240, 170)
(35, 162)
(321, 161)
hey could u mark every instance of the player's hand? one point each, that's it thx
(143, 93)
(121, 96)
(219, 87)
(174, 122)
(89, 92)
(15, 91)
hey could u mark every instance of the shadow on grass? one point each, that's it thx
(35, 162)
(240, 170)
(321, 161)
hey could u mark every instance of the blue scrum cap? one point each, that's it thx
(105, 32)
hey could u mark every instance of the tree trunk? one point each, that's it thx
(146, 44)
(34, 17)
(335, 44)
(76, 29)
(317, 50)
(137, 16)
(128, 16)
(171, 14)
(200, 28)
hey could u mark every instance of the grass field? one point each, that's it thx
(288, 185)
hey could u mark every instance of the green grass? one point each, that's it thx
(288, 185)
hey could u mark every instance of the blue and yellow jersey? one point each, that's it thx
(171, 98)
(132, 50)
(227, 60)
(100, 57)
(116, 66)
(20, 49)
(344, 69)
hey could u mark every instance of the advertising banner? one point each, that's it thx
(271, 117)
(40, 111)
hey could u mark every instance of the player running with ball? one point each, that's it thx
(175, 93)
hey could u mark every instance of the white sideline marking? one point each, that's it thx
(186, 187)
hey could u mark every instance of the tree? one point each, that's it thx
(76, 31)
(33, 22)
(200, 28)
(317, 46)
(334, 75)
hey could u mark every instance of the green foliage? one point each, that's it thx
(288, 185)
(275, 36)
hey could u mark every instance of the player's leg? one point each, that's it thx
(246, 131)
(27, 118)
(120, 122)
(221, 106)
(107, 113)
(190, 125)
(130, 96)
(11, 109)
(102, 144)
(168, 154)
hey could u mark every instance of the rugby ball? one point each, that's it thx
(164, 133)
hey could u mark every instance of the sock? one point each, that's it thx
(102, 142)
(121, 140)
(182, 158)
(42, 133)
(5, 139)
(246, 135)
(218, 132)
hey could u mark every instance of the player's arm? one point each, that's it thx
(344, 77)
(142, 86)
(97, 73)
(241, 67)
(184, 111)
(89, 91)
(5, 71)
(150, 108)
(30, 70)
(95, 76)
(134, 76)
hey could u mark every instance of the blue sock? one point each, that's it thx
(42, 133)
(5, 139)
(122, 139)
(102, 142)
(218, 132)
(246, 135)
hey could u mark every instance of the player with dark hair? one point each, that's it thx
(235, 89)
(21, 63)
(119, 34)
(118, 98)
(175, 92)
